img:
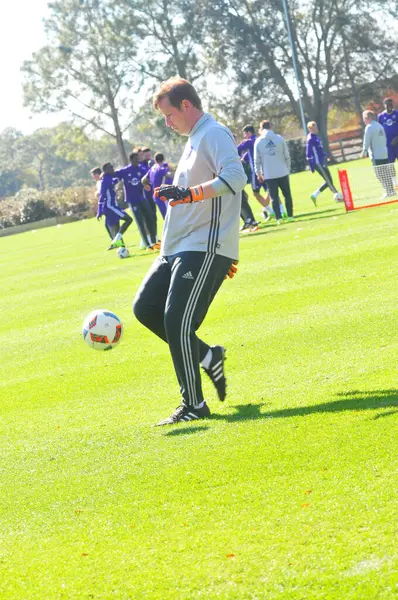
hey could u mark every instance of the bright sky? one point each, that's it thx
(22, 34)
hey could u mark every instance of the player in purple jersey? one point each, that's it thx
(156, 177)
(389, 119)
(134, 196)
(246, 151)
(146, 162)
(108, 206)
(317, 160)
(246, 214)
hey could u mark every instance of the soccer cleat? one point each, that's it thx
(266, 215)
(245, 226)
(216, 371)
(313, 198)
(117, 244)
(253, 228)
(186, 413)
(290, 219)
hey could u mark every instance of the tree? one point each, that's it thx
(369, 53)
(39, 152)
(172, 38)
(87, 67)
(248, 41)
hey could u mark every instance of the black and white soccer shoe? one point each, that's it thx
(216, 371)
(186, 413)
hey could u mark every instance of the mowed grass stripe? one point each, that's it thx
(287, 492)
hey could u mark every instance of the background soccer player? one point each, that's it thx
(199, 246)
(389, 120)
(155, 177)
(96, 175)
(375, 144)
(317, 160)
(272, 165)
(246, 214)
(246, 152)
(107, 205)
(134, 196)
(146, 162)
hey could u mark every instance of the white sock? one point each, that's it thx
(282, 209)
(316, 194)
(269, 210)
(207, 359)
(117, 237)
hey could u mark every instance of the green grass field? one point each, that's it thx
(288, 492)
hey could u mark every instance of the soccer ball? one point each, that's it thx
(123, 252)
(102, 330)
(338, 197)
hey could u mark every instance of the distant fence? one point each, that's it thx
(346, 145)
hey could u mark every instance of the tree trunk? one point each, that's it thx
(41, 176)
(357, 101)
(322, 122)
(118, 132)
(351, 78)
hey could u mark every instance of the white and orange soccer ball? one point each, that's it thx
(102, 330)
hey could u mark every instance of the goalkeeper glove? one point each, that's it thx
(179, 195)
(232, 270)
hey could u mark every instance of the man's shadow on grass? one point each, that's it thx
(269, 228)
(319, 214)
(354, 400)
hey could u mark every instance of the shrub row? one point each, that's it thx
(297, 155)
(31, 205)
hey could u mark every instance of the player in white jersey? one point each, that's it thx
(375, 144)
(199, 245)
(96, 175)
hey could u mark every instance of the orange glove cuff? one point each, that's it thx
(196, 193)
(232, 270)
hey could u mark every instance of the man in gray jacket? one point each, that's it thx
(199, 245)
(272, 165)
(375, 144)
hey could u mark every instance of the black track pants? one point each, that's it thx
(283, 184)
(324, 172)
(246, 212)
(146, 224)
(173, 301)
